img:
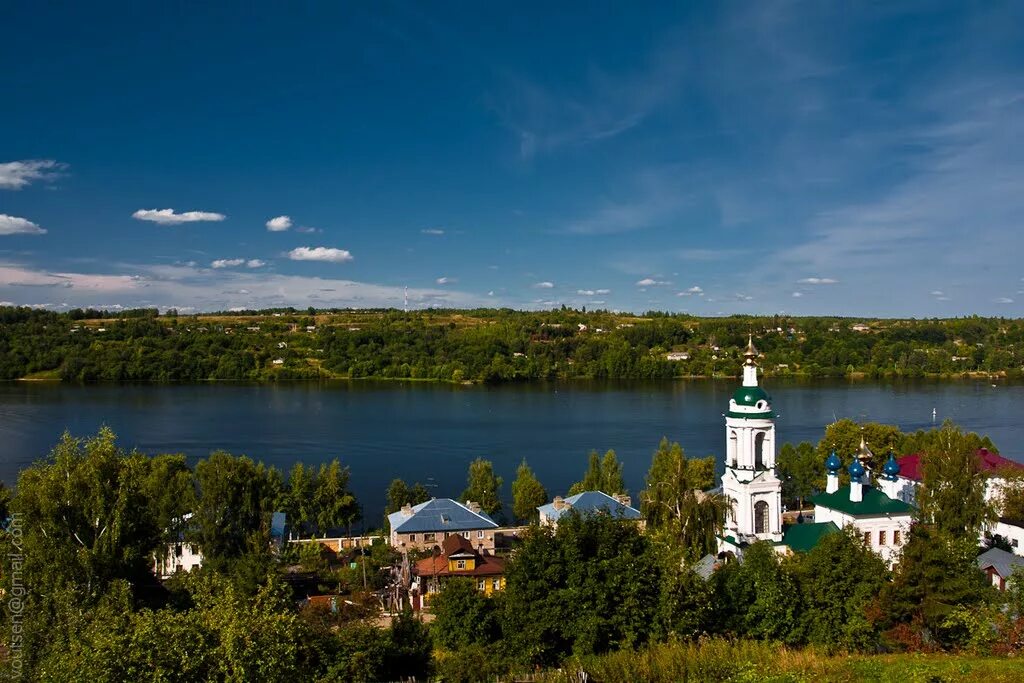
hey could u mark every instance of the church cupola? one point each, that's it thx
(891, 470)
(833, 464)
(856, 471)
(889, 483)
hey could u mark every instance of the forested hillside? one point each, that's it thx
(488, 345)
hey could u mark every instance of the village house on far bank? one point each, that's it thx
(424, 526)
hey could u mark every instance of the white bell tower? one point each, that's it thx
(750, 482)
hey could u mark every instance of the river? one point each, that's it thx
(430, 432)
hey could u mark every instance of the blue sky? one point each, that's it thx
(761, 157)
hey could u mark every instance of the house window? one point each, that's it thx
(760, 517)
(412, 538)
(895, 536)
(465, 534)
(496, 584)
(881, 537)
(480, 585)
(759, 451)
(480, 534)
(1013, 543)
(867, 538)
(428, 537)
(460, 564)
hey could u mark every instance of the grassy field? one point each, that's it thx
(720, 660)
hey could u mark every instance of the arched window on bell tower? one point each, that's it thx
(733, 446)
(760, 517)
(759, 451)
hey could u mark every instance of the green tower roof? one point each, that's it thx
(749, 396)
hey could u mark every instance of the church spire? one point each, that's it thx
(749, 366)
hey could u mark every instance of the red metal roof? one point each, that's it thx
(911, 466)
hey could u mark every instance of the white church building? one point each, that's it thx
(754, 490)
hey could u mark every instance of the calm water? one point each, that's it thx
(429, 433)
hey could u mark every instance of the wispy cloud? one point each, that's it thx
(544, 285)
(227, 263)
(328, 254)
(13, 225)
(169, 217)
(255, 263)
(651, 282)
(692, 291)
(15, 175)
(445, 280)
(432, 231)
(817, 281)
(279, 223)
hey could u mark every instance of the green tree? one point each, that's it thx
(336, 505)
(236, 499)
(463, 615)
(483, 486)
(603, 474)
(952, 492)
(299, 497)
(838, 580)
(170, 492)
(589, 587)
(401, 494)
(802, 472)
(936, 573)
(844, 436)
(675, 502)
(758, 597)
(527, 494)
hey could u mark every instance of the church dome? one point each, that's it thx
(891, 468)
(833, 463)
(856, 469)
(750, 396)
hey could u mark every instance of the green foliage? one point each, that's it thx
(483, 486)
(843, 437)
(236, 499)
(590, 587)
(463, 615)
(838, 580)
(801, 470)
(952, 493)
(674, 501)
(527, 494)
(335, 505)
(936, 573)
(758, 597)
(401, 494)
(603, 474)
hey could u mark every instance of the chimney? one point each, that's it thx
(474, 507)
(407, 510)
(623, 499)
(558, 503)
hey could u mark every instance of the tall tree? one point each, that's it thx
(336, 505)
(603, 474)
(675, 502)
(758, 597)
(843, 437)
(463, 615)
(483, 486)
(171, 495)
(838, 580)
(299, 503)
(801, 470)
(952, 493)
(401, 494)
(236, 499)
(527, 494)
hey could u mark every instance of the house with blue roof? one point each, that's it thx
(427, 525)
(589, 503)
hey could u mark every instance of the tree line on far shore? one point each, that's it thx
(487, 345)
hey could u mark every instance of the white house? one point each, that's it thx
(180, 557)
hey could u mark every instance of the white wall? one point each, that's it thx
(890, 551)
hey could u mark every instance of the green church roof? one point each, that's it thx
(801, 538)
(874, 503)
(749, 396)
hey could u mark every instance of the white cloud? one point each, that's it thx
(691, 291)
(255, 263)
(432, 231)
(602, 291)
(15, 175)
(797, 295)
(743, 297)
(651, 282)
(937, 292)
(586, 292)
(544, 285)
(1004, 300)
(279, 223)
(308, 230)
(13, 225)
(446, 280)
(328, 254)
(490, 293)
(169, 217)
(227, 263)
(817, 281)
